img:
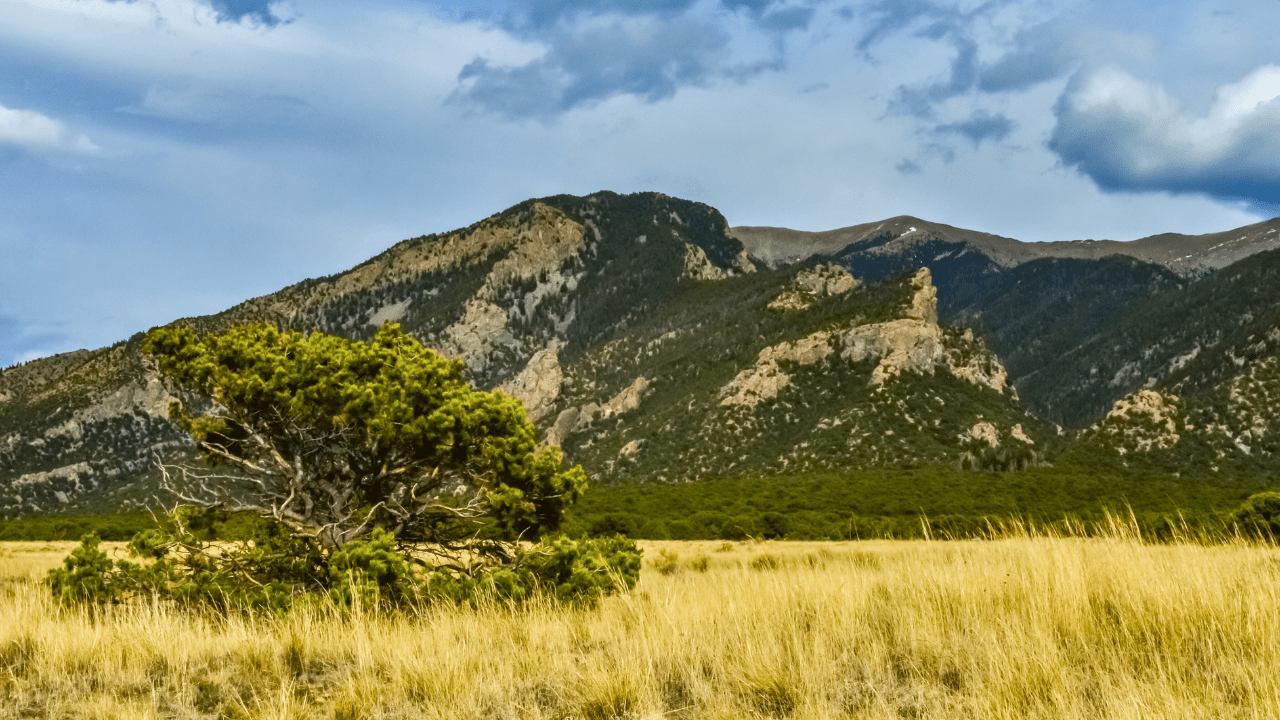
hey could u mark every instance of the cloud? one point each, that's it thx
(648, 57)
(29, 129)
(547, 13)
(1038, 53)
(918, 101)
(1128, 135)
(786, 19)
(217, 106)
(648, 49)
(980, 126)
(255, 11)
(890, 16)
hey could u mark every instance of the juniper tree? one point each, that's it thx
(334, 438)
(378, 473)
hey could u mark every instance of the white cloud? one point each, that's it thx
(29, 129)
(1131, 135)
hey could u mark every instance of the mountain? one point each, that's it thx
(653, 342)
(1078, 325)
(1185, 255)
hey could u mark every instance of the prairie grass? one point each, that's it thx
(1022, 627)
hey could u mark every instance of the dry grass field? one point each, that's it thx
(1023, 627)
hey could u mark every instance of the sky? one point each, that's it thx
(170, 158)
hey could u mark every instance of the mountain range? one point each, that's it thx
(653, 342)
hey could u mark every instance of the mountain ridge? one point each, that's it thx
(1185, 255)
(651, 342)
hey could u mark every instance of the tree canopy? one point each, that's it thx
(335, 437)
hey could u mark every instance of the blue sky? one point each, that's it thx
(167, 158)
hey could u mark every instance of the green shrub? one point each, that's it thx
(276, 571)
(85, 575)
(1260, 515)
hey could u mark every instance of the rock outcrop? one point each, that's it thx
(537, 252)
(538, 385)
(576, 419)
(698, 266)
(1144, 421)
(813, 283)
(914, 343)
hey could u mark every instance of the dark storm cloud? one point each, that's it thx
(980, 126)
(1128, 136)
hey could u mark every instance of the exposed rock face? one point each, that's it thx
(482, 329)
(979, 367)
(389, 313)
(985, 432)
(810, 284)
(537, 250)
(630, 448)
(538, 385)
(1146, 420)
(912, 344)
(575, 419)
(565, 423)
(767, 379)
(924, 304)
(698, 266)
(628, 399)
(1017, 434)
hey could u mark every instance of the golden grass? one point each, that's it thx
(1017, 628)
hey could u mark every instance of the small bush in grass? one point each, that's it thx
(699, 563)
(1260, 515)
(725, 547)
(766, 561)
(667, 562)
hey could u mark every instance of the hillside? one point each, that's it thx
(745, 379)
(653, 343)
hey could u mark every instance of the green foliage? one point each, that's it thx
(1260, 515)
(384, 420)
(903, 503)
(85, 575)
(584, 569)
(118, 527)
(276, 572)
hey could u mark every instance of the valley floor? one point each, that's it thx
(1013, 628)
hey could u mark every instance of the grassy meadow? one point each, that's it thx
(1021, 627)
